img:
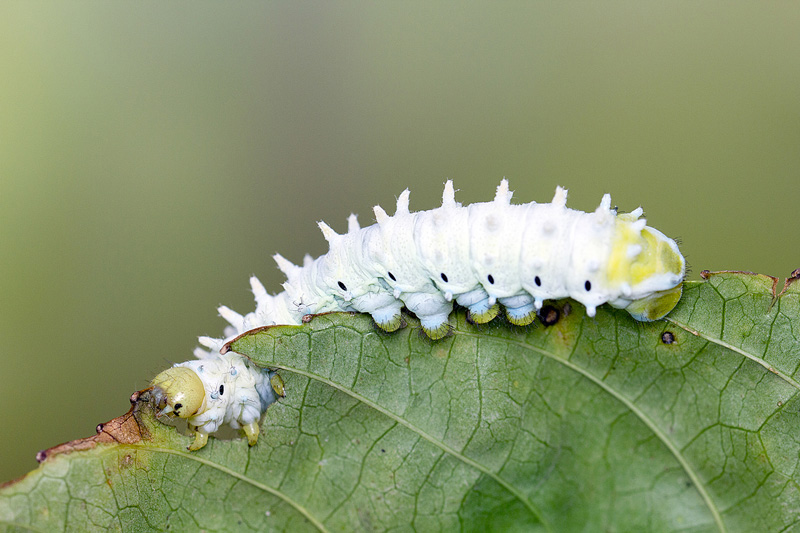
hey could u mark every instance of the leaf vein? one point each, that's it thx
(647, 421)
(752, 357)
(436, 442)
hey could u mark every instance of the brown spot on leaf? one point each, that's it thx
(125, 429)
(549, 315)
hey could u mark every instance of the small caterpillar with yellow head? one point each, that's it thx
(480, 256)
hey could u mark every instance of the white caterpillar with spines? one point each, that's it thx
(478, 256)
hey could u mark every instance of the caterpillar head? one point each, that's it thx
(178, 391)
(649, 267)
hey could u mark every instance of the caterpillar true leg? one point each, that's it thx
(200, 439)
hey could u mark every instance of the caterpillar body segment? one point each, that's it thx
(518, 255)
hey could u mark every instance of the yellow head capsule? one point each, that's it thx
(178, 391)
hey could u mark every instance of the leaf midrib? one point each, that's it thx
(629, 404)
(275, 492)
(436, 442)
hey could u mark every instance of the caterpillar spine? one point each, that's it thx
(481, 256)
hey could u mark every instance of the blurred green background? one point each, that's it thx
(154, 156)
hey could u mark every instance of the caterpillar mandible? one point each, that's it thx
(480, 256)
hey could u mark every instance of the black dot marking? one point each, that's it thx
(221, 389)
(668, 337)
(549, 315)
(537, 281)
(444, 278)
(391, 276)
(342, 286)
(178, 407)
(491, 279)
(588, 285)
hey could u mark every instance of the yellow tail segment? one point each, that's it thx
(649, 266)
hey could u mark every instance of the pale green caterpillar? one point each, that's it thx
(480, 256)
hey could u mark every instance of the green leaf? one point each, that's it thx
(592, 424)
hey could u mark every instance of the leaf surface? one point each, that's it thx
(592, 424)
